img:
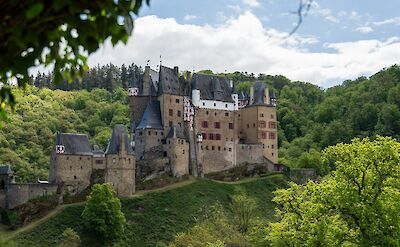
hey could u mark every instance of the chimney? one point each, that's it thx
(231, 83)
(176, 70)
(251, 95)
(267, 100)
(146, 80)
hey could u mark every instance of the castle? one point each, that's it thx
(180, 124)
(200, 123)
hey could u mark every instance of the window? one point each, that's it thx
(262, 115)
(205, 124)
(272, 116)
(215, 104)
(81, 167)
(272, 125)
(204, 104)
(80, 158)
(171, 112)
(217, 125)
(226, 105)
(212, 148)
(206, 147)
(183, 151)
(74, 177)
(263, 146)
(263, 135)
(239, 115)
(219, 148)
(217, 136)
(230, 125)
(211, 136)
(272, 154)
(177, 100)
(230, 149)
(215, 114)
(272, 146)
(201, 147)
(98, 162)
(272, 136)
(226, 114)
(262, 124)
(248, 126)
(207, 112)
(204, 136)
(254, 125)
(155, 132)
(140, 133)
(179, 113)
(149, 133)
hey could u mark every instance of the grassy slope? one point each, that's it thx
(158, 216)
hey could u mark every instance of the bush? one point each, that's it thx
(243, 209)
(69, 238)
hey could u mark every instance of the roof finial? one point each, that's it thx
(148, 60)
(160, 61)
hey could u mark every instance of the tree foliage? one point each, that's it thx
(356, 205)
(69, 238)
(57, 32)
(102, 215)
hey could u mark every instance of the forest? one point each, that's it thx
(310, 118)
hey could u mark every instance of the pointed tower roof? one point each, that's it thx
(151, 117)
(119, 136)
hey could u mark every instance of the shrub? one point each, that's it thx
(69, 238)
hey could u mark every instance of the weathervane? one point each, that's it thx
(148, 62)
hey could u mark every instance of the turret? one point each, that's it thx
(146, 81)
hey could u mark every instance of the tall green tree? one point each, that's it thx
(102, 215)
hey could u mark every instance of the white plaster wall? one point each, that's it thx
(214, 104)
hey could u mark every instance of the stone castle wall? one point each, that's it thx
(249, 153)
(18, 194)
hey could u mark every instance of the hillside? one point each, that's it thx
(157, 217)
(309, 118)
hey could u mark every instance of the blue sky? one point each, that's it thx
(338, 40)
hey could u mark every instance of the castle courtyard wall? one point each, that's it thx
(249, 153)
(18, 194)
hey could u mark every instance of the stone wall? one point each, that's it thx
(18, 194)
(213, 154)
(120, 173)
(250, 154)
(146, 139)
(73, 170)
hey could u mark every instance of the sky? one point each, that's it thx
(338, 39)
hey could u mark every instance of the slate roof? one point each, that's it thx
(175, 128)
(151, 118)
(74, 143)
(118, 137)
(259, 88)
(169, 82)
(212, 87)
(5, 170)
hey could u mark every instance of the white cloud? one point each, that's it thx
(244, 44)
(364, 29)
(189, 17)
(323, 12)
(235, 8)
(251, 3)
(395, 21)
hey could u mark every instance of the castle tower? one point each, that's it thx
(71, 162)
(121, 162)
(258, 121)
(178, 150)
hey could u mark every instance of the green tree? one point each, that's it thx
(357, 205)
(69, 238)
(102, 215)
